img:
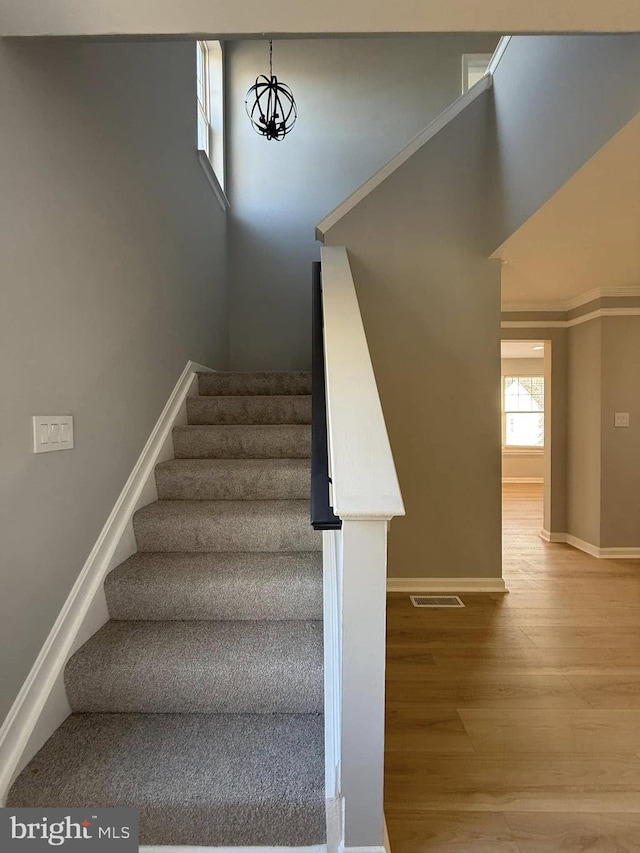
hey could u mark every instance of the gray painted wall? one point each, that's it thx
(584, 431)
(430, 302)
(620, 522)
(113, 276)
(545, 135)
(360, 101)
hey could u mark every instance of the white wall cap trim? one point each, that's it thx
(408, 151)
(575, 321)
(498, 53)
(452, 585)
(629, 290)
(30, 702)
(365, 483)
(523, 480)
(213, 179)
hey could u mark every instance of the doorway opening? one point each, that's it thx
(525, 410)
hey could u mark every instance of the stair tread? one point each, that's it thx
(226, 525)
(209, 510)
(233, 479)
(231, 465)
(198, 779)
(272, 409)
(259, 383)
(253, 398)
(217, 585)
(199, 667)
(257, 441)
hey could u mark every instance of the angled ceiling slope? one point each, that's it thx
(587, 236)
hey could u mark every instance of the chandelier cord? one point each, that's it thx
(270, 58)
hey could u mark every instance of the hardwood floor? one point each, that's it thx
(513, 725)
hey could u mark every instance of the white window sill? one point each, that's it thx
(523, 451)
(207, 168)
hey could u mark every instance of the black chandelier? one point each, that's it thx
(270, 105)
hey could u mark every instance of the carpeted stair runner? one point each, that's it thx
(200, 702)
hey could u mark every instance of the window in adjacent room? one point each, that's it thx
(474, 67)
(523, 411)
(209, 66)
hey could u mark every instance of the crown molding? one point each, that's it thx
(619, 292)
(574, 321)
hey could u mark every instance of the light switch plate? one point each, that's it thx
(52, 432)
(621, 419)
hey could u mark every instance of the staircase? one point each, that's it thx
(200, 702)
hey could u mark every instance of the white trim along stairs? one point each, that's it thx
(41, 706)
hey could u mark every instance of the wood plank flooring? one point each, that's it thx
(513, 725)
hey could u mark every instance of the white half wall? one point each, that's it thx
(113, 276)
(430, 303)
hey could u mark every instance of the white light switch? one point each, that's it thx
(621, 419)
(52, 432)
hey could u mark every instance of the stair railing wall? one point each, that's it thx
(364, 494)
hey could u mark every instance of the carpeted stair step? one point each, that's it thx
(225, 526)
(193, 667)
(257, 441)
(197, 779)
(233, 479)
(294, 409)
(259, 384)
(228, 586)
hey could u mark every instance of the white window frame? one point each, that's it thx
(520, 448)
(210, 115)
(474, 62)
(202, 98)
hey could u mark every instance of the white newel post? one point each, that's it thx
(365, 495)
(363, 655)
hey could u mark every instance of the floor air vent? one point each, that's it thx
(436, 601)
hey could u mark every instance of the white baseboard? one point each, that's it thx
(41, 706)
(334, 807)
(363, 850)
(622, 553)
(587, 547)
(619, 553)
(453, 585)
(523, 479)
(553, 537)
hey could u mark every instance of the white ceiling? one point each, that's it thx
(521, 349)
(586, 236)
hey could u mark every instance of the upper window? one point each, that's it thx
(209, 75)
(523, 411)
(204, 124)
(474, 67)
